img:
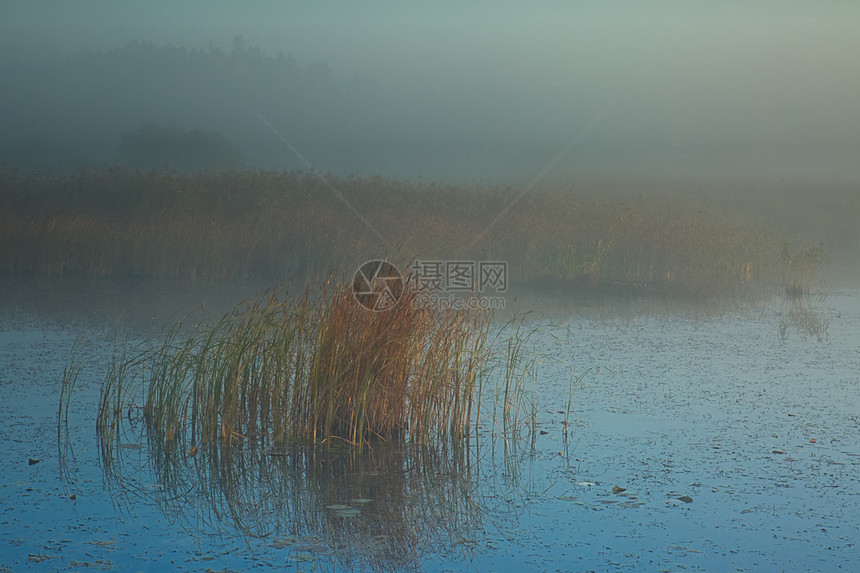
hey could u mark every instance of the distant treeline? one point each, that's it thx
(286, 225)
(73, 112)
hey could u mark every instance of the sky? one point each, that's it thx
(663, 89)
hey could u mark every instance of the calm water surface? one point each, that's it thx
(699, 439)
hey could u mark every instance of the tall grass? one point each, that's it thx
(311, 369)
(801, 267)
(287, 225)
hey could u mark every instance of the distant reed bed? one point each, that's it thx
(224, 226)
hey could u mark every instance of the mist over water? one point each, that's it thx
(669, 188)
(495, 91)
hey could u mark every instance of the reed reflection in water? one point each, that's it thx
(388, 507)
(805, 315)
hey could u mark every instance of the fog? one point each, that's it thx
(444, 90)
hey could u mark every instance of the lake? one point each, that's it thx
(698, 437)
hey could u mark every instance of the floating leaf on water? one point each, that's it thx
(309, 546)
(812, 440)
(682, 548)
(34, 461)
(616, 489)
(543, 432)
(685, 499)
(282, 542)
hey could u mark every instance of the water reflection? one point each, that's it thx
(804, 315)
(385, 508)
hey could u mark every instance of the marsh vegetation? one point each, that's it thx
(317, 370)
(279, 226)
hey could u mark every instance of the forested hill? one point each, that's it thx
(75, 110)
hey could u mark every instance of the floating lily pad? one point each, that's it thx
(282, 542)
(341, 510)
(682, 548)
(106, 543)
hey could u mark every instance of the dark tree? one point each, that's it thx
(153, 146)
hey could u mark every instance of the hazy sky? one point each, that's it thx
(683, 88)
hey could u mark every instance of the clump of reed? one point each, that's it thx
(800, 267)
(313, 369)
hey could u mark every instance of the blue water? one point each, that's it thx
(744, 414)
